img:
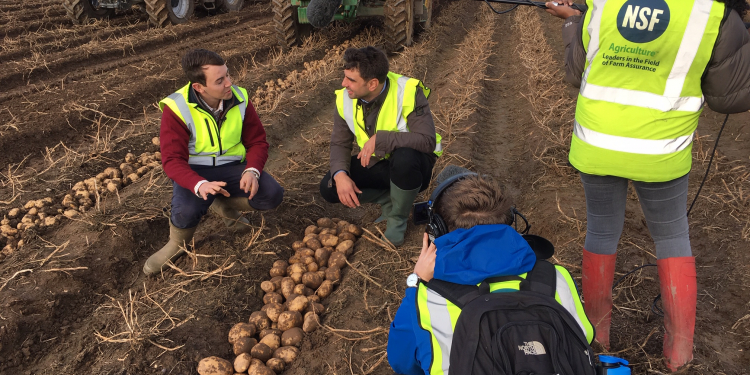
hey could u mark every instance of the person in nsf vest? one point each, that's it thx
(214, 148)
(645, 69)
(480, 244)
(389, 117)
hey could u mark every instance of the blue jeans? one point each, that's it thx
(188, 208)
(664, 205)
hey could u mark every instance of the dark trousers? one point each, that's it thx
(188, 208)
(407, 168)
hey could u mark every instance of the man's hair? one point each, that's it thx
(369, 61)
(474, 200)
(740, 6)
(194, 61)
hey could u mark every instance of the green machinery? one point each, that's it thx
(400, 18)
(160, 12)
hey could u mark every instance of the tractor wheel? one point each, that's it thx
(399, 24)
(289, 31)
(426, 18)
(162, 12)
(226, 6)
(82, 11)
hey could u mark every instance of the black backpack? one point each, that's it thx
(516, 333)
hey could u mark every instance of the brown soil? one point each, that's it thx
(73, 298)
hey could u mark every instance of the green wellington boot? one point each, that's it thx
(178, 239)
(381, 197)
(401, 203)
(229, 210)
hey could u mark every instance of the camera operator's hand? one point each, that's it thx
(425, 266)
(562, 10)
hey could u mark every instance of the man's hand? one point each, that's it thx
(367, 151)
(347, 190)
(425, 267)
(248, 183)
(213, 188)
(562, 10)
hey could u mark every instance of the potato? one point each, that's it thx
(276, 283)
(347, 236)
(297, 277)
(312, 267)
(355, 230)
(314, 297)
(242, 362)
(325, 289)
(333, 274)
(295, 259)
(260, 369)
(241, 330)
(311, 280)
(269, 331)
(290, 299)
(273, 341)
(311, 322)
(315, 307)
(329, 240)
(290, 319)
(277, 365)
(312, 229)
(280, 264)
(305, 251)
(262, 352)
(267, 287)
(308, 237)
(273, 310)
(243, 345)
(329, 231)
(215, 366)
(287, 286)
(325, 222)
(313, 244)
(335, 220)
(292, 337)
(322, 255)
(278, 272)
(346, 247)
(299, 289)
(286, 353)
(273, 297)
(337, 260)
(260, 320)
(297, 267)
(342, 224)
(255, 363)
(298, 304)
(296, 245)
(307, 260)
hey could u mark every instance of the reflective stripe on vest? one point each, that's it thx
(401, 90)
(438, 316)
(229, 134)
(640, 99)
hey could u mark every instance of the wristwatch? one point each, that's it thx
(412, 281)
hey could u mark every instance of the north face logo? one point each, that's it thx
(532, 348)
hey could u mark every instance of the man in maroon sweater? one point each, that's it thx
(214, 148)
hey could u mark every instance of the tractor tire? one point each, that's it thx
(83, 11)
(289, 31)
(163, 12)
(399, 24)
(426, 19)
(226, 6)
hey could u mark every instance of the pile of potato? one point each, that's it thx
(45, 212)
(269, 341)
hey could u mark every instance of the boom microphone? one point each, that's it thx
(320, 12)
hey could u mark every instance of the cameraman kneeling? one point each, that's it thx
(470, 219)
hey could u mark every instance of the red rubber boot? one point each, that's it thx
(598, 275)
(678, 294)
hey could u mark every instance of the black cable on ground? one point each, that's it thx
(713, 152)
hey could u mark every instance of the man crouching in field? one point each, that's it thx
(214, 148)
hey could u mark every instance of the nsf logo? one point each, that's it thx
(642, 21)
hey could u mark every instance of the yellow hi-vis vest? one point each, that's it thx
(438, 316)
(208, 144)
(398, 104)
(641, 95)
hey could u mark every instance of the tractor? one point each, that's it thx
(400, 18)
(160, 12)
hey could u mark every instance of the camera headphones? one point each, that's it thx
(425, 213)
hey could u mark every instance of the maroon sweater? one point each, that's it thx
(174, 138)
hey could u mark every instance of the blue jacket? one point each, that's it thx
(464, 256)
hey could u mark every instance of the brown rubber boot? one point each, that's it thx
(229, 209)
(178, 239)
